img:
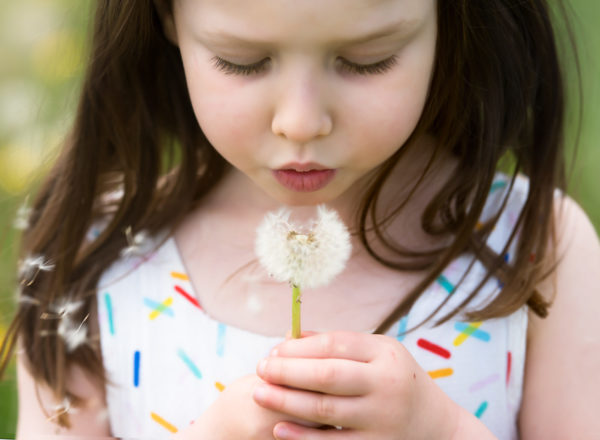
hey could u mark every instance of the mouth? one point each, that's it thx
(304, 178)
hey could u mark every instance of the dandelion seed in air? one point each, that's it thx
(32, 266)
(137, 245)
(73, 334)
(21, 220)
(303, 257)
(62, 408)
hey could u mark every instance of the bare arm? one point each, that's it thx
(561, 390)
(88, 422)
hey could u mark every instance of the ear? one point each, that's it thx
(164, 8)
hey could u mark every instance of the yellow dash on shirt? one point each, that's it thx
(161, 307)
(180, 276)
(444, 372)
(219, 386)
(158, 419)
(468, 331)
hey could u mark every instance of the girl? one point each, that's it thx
(467, 309)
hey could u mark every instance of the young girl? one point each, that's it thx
(468, 307)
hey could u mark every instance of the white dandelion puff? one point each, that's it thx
(138, 244)
(304, 257)
(32, 266)
(21, 220)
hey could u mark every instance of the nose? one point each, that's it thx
(301, 112)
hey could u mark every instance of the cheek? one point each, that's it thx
(224, 117)
(225, 112)
(380, 127)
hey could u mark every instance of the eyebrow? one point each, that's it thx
(400, 27)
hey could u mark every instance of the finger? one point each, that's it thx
(291, 431)
(339, 377)
(315, 407)
(342, 345)
(303, 334)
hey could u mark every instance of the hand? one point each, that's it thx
(367, 384)
(235, 415)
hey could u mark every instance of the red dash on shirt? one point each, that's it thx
(508, 364)
(189, 297)
(434, 348)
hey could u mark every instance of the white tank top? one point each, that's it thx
(167, 360)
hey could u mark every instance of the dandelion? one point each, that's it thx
(138, 244)
(21, 220)
(31, 267)
(304, 257)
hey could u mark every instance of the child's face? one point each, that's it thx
(305, 97)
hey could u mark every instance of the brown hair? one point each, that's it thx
(497, 89)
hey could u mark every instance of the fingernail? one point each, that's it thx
(282, 432)
(274, 352)
(260, 393)
(260, 369)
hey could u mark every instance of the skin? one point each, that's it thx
(305, 107)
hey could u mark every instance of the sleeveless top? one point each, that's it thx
(167, 360)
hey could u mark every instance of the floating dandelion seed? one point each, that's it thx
(304, 257)
(24, 299)
(62, 408)
(21, 220)
(138, 244)
(73, 334)
(32, 266)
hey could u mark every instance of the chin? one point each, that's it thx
(302, 198)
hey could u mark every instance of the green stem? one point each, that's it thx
(296, 303)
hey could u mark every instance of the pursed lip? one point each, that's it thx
(304, 181)
(303, 167)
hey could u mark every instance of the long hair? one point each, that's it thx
(496, 90)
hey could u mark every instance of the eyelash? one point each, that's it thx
(346, 66)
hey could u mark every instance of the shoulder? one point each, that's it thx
(563, 355)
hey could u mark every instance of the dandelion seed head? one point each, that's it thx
(305, 257)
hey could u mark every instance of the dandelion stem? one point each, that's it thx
(296, 303)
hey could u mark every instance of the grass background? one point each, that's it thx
(42, 48)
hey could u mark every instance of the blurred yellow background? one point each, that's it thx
(42, 52)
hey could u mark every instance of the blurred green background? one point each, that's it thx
(42, 50)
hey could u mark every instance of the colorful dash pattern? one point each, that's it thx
(177, 350)
(109, 313)
(160, 308)
(190, 364)
(162, 422)
(136, 368)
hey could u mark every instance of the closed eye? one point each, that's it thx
(344, 66)
(230, 68)
(367, 69)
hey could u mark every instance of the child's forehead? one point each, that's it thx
(338, 19)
